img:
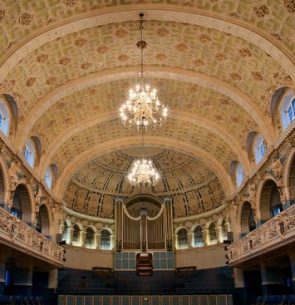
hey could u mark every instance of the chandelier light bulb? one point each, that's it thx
(142, 173)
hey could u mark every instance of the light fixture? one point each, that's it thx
(143, 108)
(142, 172)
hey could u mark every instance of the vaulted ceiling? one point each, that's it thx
(69, 65)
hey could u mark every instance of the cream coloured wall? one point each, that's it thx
(202, 258)
(82, 258)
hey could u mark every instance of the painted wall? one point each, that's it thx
(81, 258)
(202, 258)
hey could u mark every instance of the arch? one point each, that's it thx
(50, 175)
(237, 172)
(186, 117)
(5, 182)
(105, 239)
(198, 240)
(179, 74)
(174, 13)
(256, 146)
(101, 149)
(247, 222)
(8, 114)
(182, 238)
(213, 238)
(290, 165)
(90, 238)
(269, 201)
(76, 237)
(43, 222)
(22, 204)
(32, 151)
(284, 116)
(224, 230)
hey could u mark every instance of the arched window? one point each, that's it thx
(182, 239)
(240, 174)
(105, 240)
(248, 223)
(4, 118)
(212, 234)
(224, 230)
(30, 152)
(198, 240)
(43, 221)
(48, 178)
(76, 235)
(89, 240)
(287, 109)
(270, 201)
(259, 148)
(21, 207)
(65, 232)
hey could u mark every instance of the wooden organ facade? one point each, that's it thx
(144, 223)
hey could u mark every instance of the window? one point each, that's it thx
(182, 239)
(105, 240)
(4, 118)
(259, 148)
(76, 235)
(89, 242)
(251, 221)
(65, 232)
(48, 178)
(212, 234)
(240, 175)
(198, 237)
(29, 153)
(288, 110)
(224, 230)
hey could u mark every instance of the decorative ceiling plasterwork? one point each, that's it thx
(93, 188)
(216, 66)
(203, 50)
(93, 102)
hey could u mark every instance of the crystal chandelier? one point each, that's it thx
(143, 108)
(142, 173)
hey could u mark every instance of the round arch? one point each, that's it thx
(269, 200)
(183, 75)
(193, 119)
(174, 13)
(22, 204)
(153, 141)
(247, 222)
(43, 221)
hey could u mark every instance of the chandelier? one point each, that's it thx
(143, 108)
(142, 173)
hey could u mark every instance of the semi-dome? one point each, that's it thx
(194, 187)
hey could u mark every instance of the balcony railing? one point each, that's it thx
(17, 234)
(273, 234)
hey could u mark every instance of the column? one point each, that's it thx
(98, 236)
(292, 263)
(219, 234)
(2, 273)
(176, 241)
(82, 238)
(240, 293)
(271, 279)
(52, 284)
(70, 231)
(23, 280)
(206, 237)
(190, 239)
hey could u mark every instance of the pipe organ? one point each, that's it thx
(143, 223)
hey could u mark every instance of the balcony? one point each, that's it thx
(20, 236)
(276, 232)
